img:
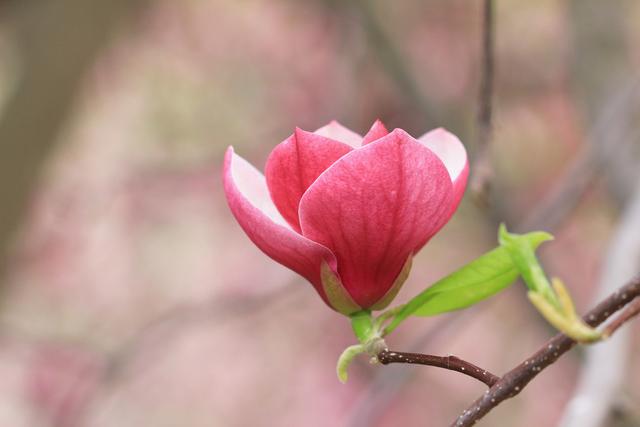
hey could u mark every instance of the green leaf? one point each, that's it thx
(551, 300)
(476, 281)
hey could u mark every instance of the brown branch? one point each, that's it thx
(627, 314)
(482, 172)
(446, 362)
(512, 383)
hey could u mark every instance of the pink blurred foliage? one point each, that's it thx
(440, 37)
(60, 382)
(293, 46)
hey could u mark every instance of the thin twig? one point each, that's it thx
(629, 312)
(452, 363)
(482, 171)
(512, 383)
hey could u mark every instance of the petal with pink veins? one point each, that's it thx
(377, 131)
(334, 130)
(249, 201)
(375, 207)
(294, 165)
(450, 150)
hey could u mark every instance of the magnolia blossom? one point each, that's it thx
(349, 212)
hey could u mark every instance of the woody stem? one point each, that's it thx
(446, 362)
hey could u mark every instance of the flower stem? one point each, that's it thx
(363, 325)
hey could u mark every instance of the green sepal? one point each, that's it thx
(395, 287)
(337, 295)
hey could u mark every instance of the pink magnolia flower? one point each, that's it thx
(349, 212)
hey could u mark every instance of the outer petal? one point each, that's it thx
(450, 150)
(377, 131)
(374, 208)
(249, 202)
(337, 132)
(294, 165)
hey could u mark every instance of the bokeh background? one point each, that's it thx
(129, 295)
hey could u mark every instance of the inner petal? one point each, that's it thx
(450, 150)
(448, 147)
(334, 130)
(294, 165)
(377, 131)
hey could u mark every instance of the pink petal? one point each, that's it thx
(251, 205)
(294, 165)
(450, 150)
(337, 132)
(377, 131)
(374, 208)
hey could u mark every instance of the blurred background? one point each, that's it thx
(130, 296)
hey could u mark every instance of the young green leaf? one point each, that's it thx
(553, 302)
(478, 280)
(525, 260)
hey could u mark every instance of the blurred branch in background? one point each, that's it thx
(605, 368)
(482, 171)
(602, 71)
(613, 132)
(607, 89)
(58, 40)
